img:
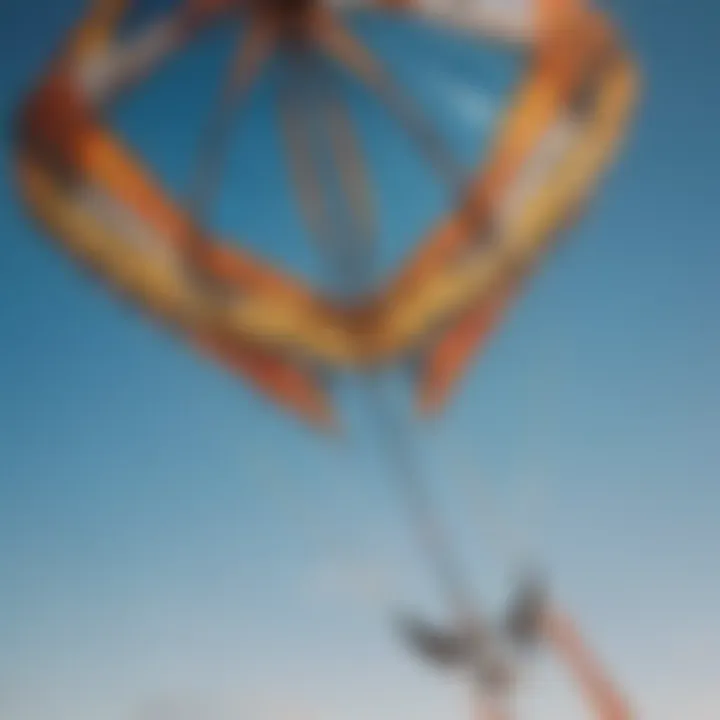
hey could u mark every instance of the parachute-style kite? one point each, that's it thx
(558, 129)
(563, 122)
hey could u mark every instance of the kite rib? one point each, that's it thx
(350, 53)
(254, 48)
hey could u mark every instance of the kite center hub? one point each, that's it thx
(290, 17)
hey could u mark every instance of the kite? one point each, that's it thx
(562, 126)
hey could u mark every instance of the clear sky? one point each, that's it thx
(172, 547)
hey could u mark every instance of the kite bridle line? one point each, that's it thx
(394, 437)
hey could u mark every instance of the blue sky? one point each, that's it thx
(168, 541)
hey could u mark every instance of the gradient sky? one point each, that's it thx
(172, 547)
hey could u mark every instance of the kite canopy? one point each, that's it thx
(412, 162)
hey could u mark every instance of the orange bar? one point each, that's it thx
(448, 360)
(556, 74)
(59, 120)
(280, 379)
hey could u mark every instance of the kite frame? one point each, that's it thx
(109, 212)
